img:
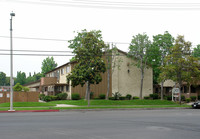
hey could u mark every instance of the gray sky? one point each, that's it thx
(118, 20)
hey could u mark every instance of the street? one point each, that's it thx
(135, 124)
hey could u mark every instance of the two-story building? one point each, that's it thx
(124, 78)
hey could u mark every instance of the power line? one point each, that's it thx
(36, 51)
(116, 5)
(48, 39)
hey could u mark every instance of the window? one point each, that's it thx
(1, 94)
(67, 69)
(67, 88)
(62, 71)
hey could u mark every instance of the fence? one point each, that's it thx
(19, 97)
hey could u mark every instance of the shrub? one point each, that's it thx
(18, 87)
(193, 98)
(199, 97)
(62, 96)
(153, 96)
(41, 96)
(102, 96)
(128, 96)
(47, 98)
(91, 94)
(188, 100)
(122, 98)
(116, 95)
(111, 98)
(53, 98)
(25, 89)
(75, 96)
(135, 97)
(146, 97)
(183, 97)
(168, 97)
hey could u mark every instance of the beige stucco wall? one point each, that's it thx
(168, 83)
(126, 82)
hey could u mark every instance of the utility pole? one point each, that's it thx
(11, 64)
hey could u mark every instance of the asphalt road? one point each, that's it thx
(136, 124)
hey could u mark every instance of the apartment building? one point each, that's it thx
(124, 78)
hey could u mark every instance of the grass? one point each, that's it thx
(95, 104)
(27, 104)
(114, 102)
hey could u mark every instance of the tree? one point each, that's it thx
(18, 87)
(21, 78)
(179, 65)
(48, 64)
(2, 78)
(88, 49)
(112, 61)
(138, 50)
(159, 49)
(196, 52)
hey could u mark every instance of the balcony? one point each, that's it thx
(45, 81)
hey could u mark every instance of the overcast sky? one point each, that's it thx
(118, 20)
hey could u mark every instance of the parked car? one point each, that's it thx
(196, 104)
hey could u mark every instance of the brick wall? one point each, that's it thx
(19, 97)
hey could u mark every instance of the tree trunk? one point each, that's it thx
(88, 94)
(142, 77)
(189, 90)
(161, 93)
(180, 84)
(108, 85)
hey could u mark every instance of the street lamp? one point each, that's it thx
(11, 64)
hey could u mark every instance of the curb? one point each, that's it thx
(30, 111)
(85, 110)
(119, 109)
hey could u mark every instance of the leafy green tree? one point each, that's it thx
(2, 78)
(138, 49)
(18, 87)
(88, 49)
(112, 61)
(196, 52)
(48, 64)
(179, 65)
(21, 78)
(159, 49)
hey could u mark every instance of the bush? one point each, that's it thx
(41, 96)
(128, 96)
(102, 96)
(183, 97)
(168, 97)
(53, 98)
(188, 100)
(91, 94)
(62, 96)
(75, 96)
(25, 89)
(111, 98)
(116, 95)
(146, 97)
(122, 98)
(18, 87)
(193, 98)
(47, 98)
(199, 97)
(135, 97)
(153, 96)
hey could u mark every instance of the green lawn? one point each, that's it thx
(114, 102)
(27, 104)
